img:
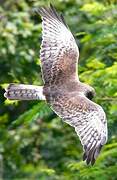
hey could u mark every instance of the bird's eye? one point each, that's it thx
(89, 94)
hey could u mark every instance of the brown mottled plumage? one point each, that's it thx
(68, 97)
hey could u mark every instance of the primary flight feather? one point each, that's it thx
(67, 96)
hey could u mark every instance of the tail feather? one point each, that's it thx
(24, 92)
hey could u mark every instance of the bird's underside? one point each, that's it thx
(67, 96)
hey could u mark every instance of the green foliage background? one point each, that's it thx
(34, 142)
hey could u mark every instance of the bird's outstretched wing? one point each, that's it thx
(59, 52)
(89, 121)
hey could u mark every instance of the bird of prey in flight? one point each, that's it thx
(69, 98)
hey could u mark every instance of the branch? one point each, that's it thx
(108, 99)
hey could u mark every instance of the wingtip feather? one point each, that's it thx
(49, 12)
(90, 155)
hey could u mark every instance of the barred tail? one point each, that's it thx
(24, 92)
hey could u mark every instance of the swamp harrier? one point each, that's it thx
(69, 98)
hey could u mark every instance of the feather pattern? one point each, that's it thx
(24, 92)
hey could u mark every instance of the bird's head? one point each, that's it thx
(87, 90)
